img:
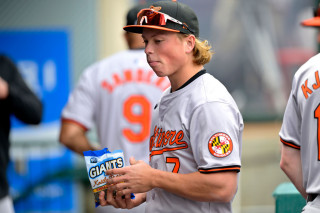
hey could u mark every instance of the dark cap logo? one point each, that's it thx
(155, 8)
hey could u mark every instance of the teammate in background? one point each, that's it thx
(196, 134)
(116, 95)
(15, 99)
(300, 131)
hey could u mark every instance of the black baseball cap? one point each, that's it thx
(176, 10)
(132, 13)
(315, 21)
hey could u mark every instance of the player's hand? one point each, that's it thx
(136, 178)
(4, 89)
(118, 201)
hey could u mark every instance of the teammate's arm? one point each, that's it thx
(74, 137)
(291, 165)
(140, 177)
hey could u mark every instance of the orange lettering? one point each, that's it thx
(128, 75)
(317, 84)
(171, 141)
(105, 85)
(117, 79)
(155, 131)
(139, 75)
(159, 138)
(149, 75)
(179, 137)
(306, 89)
(159, 81)
(163, 138)
(151, 143)
(167, 138)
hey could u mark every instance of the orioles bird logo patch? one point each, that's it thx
(220, 145)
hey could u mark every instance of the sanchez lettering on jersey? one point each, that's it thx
(306, 89)
(165, 141)
(130, 76)
(104, 166)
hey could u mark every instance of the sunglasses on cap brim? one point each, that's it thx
(152, 17)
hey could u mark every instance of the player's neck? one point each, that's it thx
(182, 76)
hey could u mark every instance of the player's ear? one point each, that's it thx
(190, 42)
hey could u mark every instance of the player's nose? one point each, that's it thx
(148, 49)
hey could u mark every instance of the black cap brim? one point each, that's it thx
(139, 28)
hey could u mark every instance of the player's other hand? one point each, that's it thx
(136, 178)
(117, 201)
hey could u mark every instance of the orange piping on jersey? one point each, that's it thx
(317, 85)
(74, 122)
(236, 168)
(289, 144)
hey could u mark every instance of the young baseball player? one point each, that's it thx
(300, 131)
(117, 96)
(196, 134)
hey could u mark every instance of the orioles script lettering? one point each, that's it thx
(164, 141)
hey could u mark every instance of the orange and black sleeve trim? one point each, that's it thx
(290, 143)
(235, 168)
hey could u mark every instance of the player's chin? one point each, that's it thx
(158, 72)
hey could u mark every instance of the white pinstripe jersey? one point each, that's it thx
(196, 128)
(117, 95)
(301, 122)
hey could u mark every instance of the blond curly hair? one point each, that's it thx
(202, 51)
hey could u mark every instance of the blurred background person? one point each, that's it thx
(115, 95)
(300, 134)
(15, 99)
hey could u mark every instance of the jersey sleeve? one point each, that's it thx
(81, 106)
(290, 129)
(216, 137)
